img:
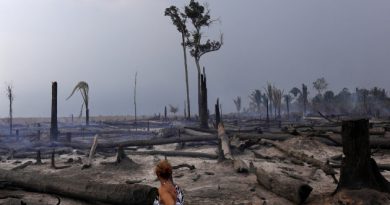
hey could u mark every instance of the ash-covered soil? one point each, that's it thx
(211, 182)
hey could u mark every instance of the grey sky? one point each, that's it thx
(104, 42)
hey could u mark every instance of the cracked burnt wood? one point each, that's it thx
(175, 154)
(328, 170)
(53, 162)
(45, 153)
(284, 186)
(183, 138)
(238, 164)
(22, 166)
(375, 141)
(225, 143)
(358, 169)
(134, 194)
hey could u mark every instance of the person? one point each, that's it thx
(169, 193)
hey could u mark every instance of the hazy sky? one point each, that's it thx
(104, 42)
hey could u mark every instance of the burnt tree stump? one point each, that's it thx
(38, 158)
(54, 123)
(39, 132)
(217, 114)
(358, 169)
(203, 110)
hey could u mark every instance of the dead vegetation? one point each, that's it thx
(260, 163)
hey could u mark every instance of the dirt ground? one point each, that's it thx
(211, 182)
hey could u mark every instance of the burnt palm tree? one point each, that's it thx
(84, 89)
(277, 98)
(256, 99)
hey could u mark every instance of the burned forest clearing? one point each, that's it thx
(197, 102)
(268, 162)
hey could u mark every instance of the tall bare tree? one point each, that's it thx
(11, 97)
(304, 98)
(84, 91)
(265, 101)
(135, 97)
(179, 19)
(277, 97)
(200, 18)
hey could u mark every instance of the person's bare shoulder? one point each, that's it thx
(165, 196)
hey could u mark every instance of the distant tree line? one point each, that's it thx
(273, 103)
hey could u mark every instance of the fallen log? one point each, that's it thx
(53, 162)
(382, 167)
(375, 142)
(328, 170)
(198, 129)
(183, 138)
(287, 187)
(22, 166)
(174, 154)
(268, 136)
(135, 194)
(337, 130)
(46, 154)
(326, 118)
(191, 167)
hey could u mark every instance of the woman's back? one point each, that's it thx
(169, 193)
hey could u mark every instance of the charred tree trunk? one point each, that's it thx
(135, 99)
(135, 194)
(39, 132)
(287, 187)
(203, 101)
(54, 123)
(175, 154)
(358, 169)
(217, 114)
(288, 108)
(87, 115)
(38, 158)
(165, 113)
(10, 96)
(267, 111)
(186, 75)
(10, 116)
(305, 101)
(225, 143)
